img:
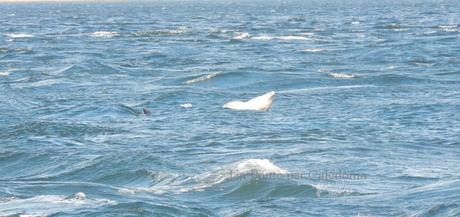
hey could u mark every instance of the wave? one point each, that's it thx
(4, 73)
(312, 50)
(42, 83)
(245, 179)
(387, 79)
(186, 105)
(391, 26)
(284, 38)
(445, 209)
(206, 180)
(448, 28)
(103, 34)
(448, 73)
(315, 89)
(263, 166)
(422, 62)
(61, 129)
(19, 35)
(59, 71)
(45, 205)
(400, 29)
(88, 67)
(329, 190)
(160, 32)
(310, 34)
(235, 170)
(202, 78)
(241, 35)
(340, 75)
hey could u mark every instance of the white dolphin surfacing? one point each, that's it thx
(260, 103)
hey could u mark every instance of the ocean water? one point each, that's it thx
(365, 121)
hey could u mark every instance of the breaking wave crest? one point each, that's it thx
(209, 179)
(251, 178)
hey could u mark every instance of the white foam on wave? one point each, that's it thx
(293, 37)
(5, 73)
(19, 35)
(284, 38)
(310, 34)
(178, 31)
(209, 179)
(400, 29)
(126, 191)
(312, 50)
(319, 29)
(44, 205)
(340, 75)
(238, 169)
(186, 105)
(448, 28)
(422, 64)
(264, 37)
(332, 190)
(103, 34)
(202, 78)
(241, 35)
(263, 166)
(157, 32)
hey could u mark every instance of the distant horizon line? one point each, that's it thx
(95, 1)
(54, 1)
(79, 1)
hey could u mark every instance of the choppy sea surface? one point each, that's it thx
(365, 121)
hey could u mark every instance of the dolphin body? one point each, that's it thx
(260, 103)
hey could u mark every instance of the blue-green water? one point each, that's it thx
(363, 89)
